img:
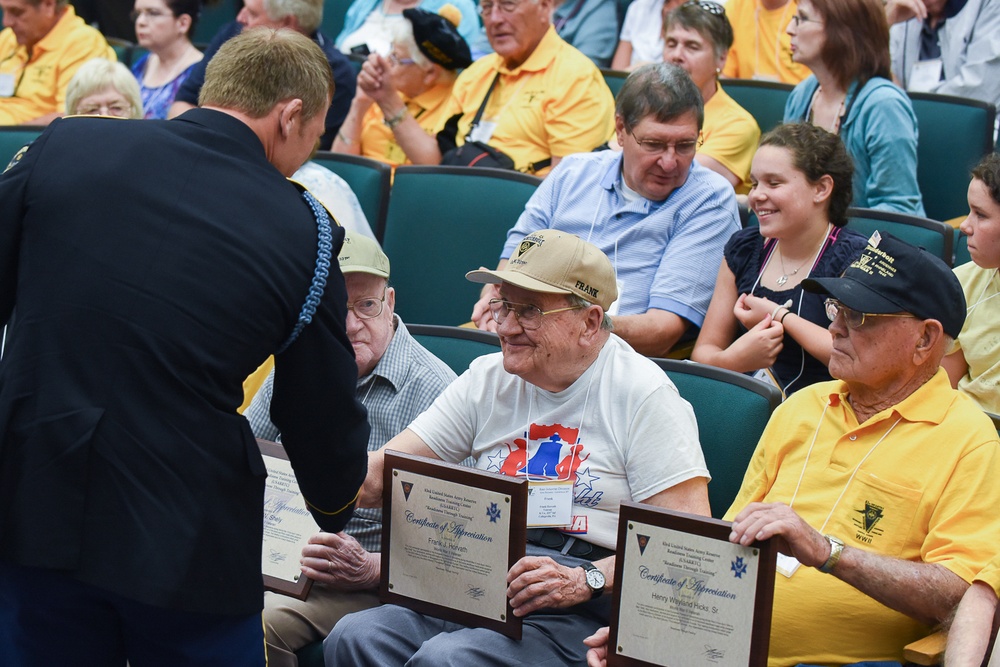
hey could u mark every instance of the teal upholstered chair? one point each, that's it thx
(369, 179)
(615, 79)
(213, 16)
(962, 255)
(442, 223)
(765, 100)
(933, 236)
(732, 410)
(955, 133)
(455, 346)
(13, 138)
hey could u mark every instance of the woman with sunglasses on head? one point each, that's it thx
(974, 362)
(412, 85)
(759, 317)
(846, 45)
(697, 37)
(163, 27)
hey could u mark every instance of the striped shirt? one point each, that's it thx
(403, 384)
(666, 254)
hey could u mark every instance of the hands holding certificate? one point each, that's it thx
(795, 537)
(541, 583)
(339, 561)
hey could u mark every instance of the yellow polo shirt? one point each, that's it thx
(926, 493)
(42, 75)
(730, 135)
(554, 104)
(761, 47)
(430, 109)
(980, 336)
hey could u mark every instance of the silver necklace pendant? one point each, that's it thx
(781, 281)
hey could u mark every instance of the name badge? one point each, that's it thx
(787, 565)
(8, 83)
(483, 131)
(550, 502)
(613, 308)
(925, 76)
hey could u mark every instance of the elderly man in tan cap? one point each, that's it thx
(566, 400)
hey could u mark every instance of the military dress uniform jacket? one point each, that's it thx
(154, 265)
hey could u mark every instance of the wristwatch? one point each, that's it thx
(836, 548)
(595, 580)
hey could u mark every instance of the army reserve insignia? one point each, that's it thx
(17, 157)
(525, 246)
(868, 521)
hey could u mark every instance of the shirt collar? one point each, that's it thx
(56, 38)
(926, 404)
(540, 58)
(395, 362)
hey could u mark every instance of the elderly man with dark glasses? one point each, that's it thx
(565, 402)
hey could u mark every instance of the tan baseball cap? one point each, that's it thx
(557, 262)
(361, 254)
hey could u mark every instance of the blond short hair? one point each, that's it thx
(259, 68)
(97, 74)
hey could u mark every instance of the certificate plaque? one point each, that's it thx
(288, 525)
(449, 536)
(685, 595)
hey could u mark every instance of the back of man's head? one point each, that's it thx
(662, 91)
(308, 13)
(254, 71)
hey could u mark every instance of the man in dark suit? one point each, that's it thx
(153, 266)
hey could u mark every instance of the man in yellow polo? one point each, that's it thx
(42, 45)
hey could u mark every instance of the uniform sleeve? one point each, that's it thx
(324, 427)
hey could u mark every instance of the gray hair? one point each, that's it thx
(579, 301)
(402, 35)
(97, 74)
(661, 90)
(309, 13)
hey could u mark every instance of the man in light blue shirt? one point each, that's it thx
(661, 217)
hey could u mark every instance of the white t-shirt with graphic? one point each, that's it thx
(621, 431)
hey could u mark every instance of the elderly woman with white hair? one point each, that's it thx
(103, 88)
(415, 85)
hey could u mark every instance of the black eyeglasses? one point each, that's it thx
(713, 8)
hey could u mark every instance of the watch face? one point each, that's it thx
(595, 579)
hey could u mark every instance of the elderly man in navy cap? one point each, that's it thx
(879, 487)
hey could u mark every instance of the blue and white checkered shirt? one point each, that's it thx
(666, 254)
(403, 384)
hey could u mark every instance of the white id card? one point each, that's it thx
(550, 503)
(8, 83)
(925, 76)
(787, 565)
(483, 131)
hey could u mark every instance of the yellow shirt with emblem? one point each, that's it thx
(730, 135)
(761, 48)
(979, 340)
(42, 76)
(430, 109)
(927, 493)
(554, 104)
